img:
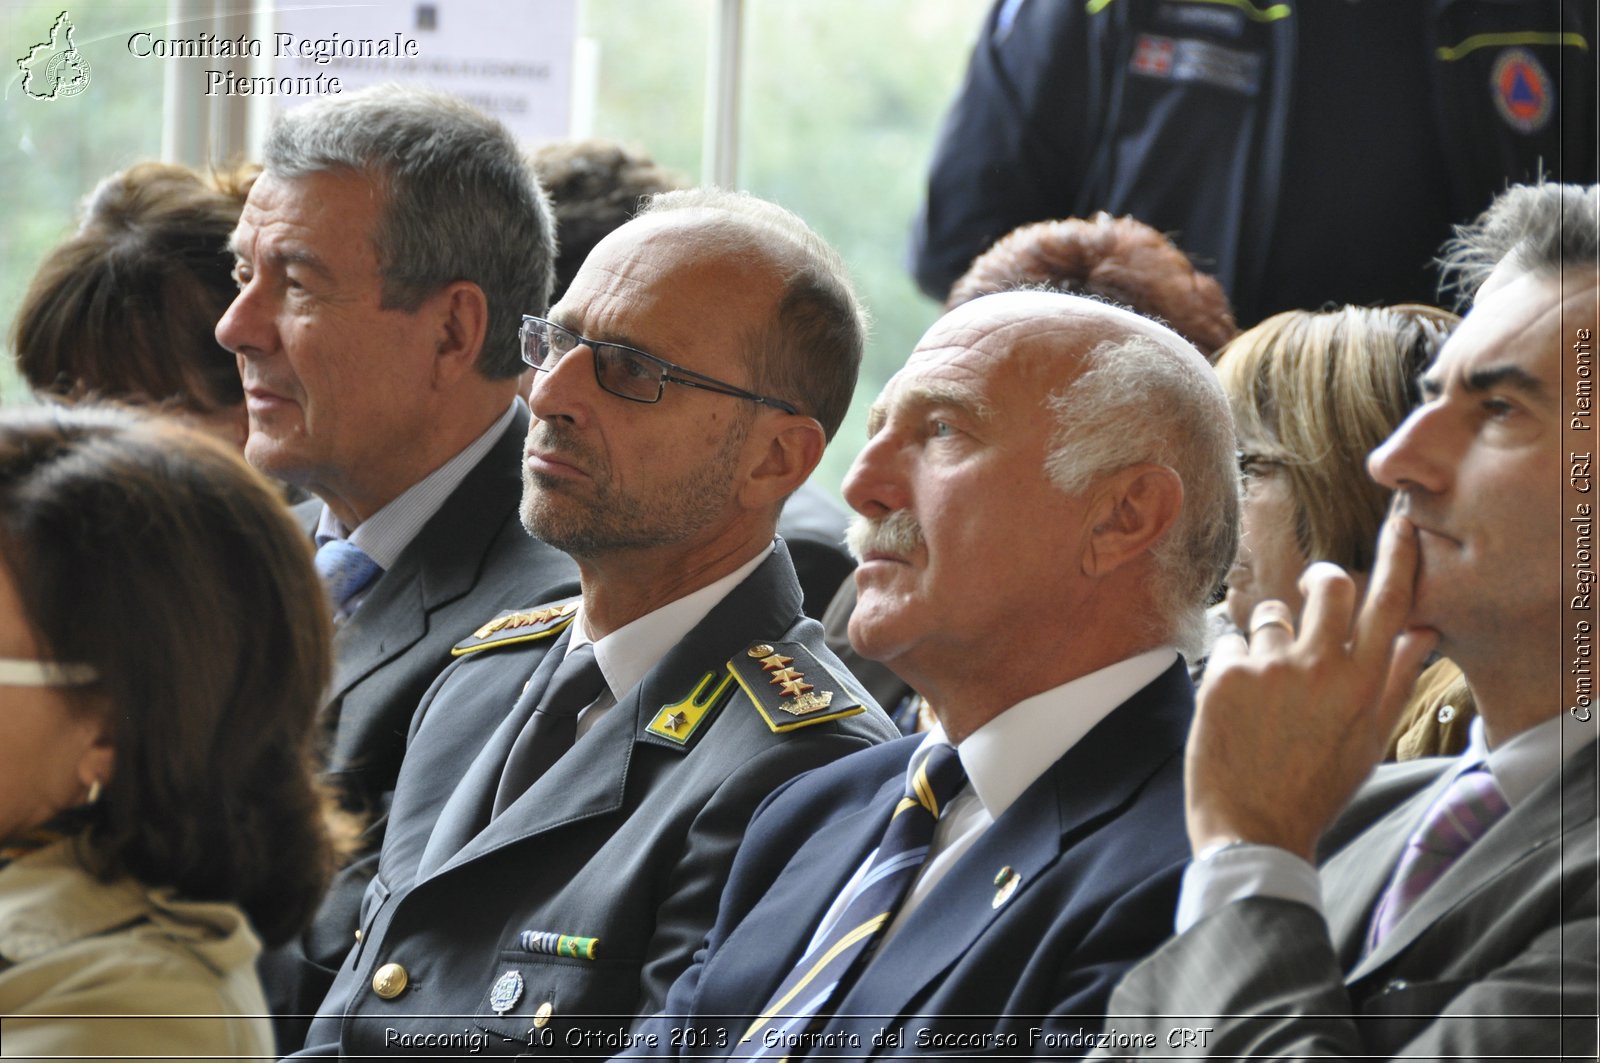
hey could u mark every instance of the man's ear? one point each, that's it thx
(1132, 509)
(788, 454)
(459, 314)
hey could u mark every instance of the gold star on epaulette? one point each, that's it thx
(793, 687)
(777, 660)
(783, 675)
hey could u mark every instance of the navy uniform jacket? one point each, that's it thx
(624, 843)
(472, 559)
(1098, 842)
(1303, 153)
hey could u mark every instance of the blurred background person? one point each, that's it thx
(127, 307)
(1118, 259)
(163, 649)
(1306, 154)
(1121, 259)
(1312, 395)
(594, 186)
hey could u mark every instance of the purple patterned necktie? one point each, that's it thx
(1460, 816)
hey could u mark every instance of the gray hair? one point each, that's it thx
(459, 201)
(1139, 401)
(1543, 228)
(809, 352)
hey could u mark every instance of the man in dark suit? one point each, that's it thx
(1034, 546)
(384, 258)
(577, 784)
(1453, 914)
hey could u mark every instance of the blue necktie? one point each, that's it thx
(824, 974)
(345, 570)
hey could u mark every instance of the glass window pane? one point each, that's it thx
(54, 151)
(842, 101)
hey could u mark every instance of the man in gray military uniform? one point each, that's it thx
(384, 260)
(539, 889)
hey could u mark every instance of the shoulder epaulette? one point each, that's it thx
(791, 688)
(519, 625)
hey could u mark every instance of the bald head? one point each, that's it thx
(1052, 464)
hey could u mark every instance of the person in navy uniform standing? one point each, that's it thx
(1304, 153)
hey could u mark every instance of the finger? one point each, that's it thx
(1271, 627)
(1330, 608)
(1410, 652)
(1390, 594)
(1227, 649)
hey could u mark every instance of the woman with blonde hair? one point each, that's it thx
(164, 643)
(1313, 393)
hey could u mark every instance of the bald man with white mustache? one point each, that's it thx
(1046, 502)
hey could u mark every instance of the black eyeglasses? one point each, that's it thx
(623, 371)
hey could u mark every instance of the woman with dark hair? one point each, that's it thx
(163, 648)
(127, 307)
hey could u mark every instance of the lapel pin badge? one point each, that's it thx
(1006, 881)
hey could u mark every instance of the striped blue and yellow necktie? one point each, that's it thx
(824, 974)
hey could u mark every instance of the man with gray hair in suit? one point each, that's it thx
(1452, 911)
(384, 259)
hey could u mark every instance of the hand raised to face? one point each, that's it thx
(1288, 725)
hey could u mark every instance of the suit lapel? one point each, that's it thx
(591, 779)
(467, 810)
(791, 910)
(1565, 802)
(436, 568)
(1091, 781)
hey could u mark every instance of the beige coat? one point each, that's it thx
(89, 968)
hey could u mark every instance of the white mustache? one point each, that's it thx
(898, 533)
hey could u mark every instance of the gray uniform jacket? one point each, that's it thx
(569, 914)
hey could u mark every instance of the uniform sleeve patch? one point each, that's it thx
(524, 625)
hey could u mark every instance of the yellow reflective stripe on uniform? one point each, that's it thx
(1450, 53)
(1256, 14)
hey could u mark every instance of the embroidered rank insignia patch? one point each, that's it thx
(1522, 91)
(790, 687)
(677, 722)
(526, 625)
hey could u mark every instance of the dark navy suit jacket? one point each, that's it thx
(1100, 846)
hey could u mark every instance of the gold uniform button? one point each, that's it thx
(358, 935)
(389, 981)
(541, 1018)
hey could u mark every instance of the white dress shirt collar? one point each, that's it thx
(1522, 764)
(1006, 755)
(627, 654)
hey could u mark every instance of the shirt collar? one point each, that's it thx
(1006, 755)
(385, 535)
(628, 653)
(1523, 763)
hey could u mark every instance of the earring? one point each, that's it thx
(94, 792)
